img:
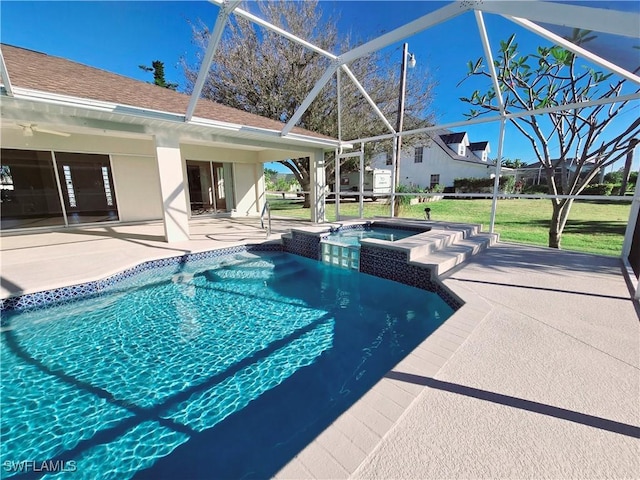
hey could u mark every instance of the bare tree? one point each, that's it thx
(553, 77)
(261, 72)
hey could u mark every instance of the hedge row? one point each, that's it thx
(483, 185)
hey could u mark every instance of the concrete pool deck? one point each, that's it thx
(536, 376)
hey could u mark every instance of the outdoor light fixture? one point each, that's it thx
(412, 60)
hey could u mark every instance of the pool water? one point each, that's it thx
(353, 236)
(220, 368)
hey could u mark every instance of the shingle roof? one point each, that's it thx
(443, 138)
(475, 146)
(450, 138)
(39, 71)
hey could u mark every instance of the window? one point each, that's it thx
(418, 155)
(461, 150)
(71, 194)
(107, 186)
(435, 180)
(389, 160)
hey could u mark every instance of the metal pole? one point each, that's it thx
(361, 183)
(403, 81)
(633, 215)
(394, 160)
(336, 183)
(496, 180)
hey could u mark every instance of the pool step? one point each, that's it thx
(449, 251)
(253, 269)
(290, 268)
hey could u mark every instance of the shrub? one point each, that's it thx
(598, 189)
(613, 177)
(533, 189)
(483, 185)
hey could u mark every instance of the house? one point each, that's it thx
(447, 156)
(83, 146)
(535, 174)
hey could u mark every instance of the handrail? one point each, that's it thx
(266, 208)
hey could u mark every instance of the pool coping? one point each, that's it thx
(343, 446)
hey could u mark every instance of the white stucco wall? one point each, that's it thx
(137, 187)
(245, 181)
(434, 162)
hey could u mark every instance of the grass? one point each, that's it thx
(593, 227)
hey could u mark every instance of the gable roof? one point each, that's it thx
(443, 138)
(453, 137)
(475, 146)
(46, 73)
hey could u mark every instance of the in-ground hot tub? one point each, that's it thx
(341, 247)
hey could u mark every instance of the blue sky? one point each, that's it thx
(118, 36)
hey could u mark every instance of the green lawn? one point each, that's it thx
(594, 227)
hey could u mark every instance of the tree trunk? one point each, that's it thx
(627, 167)
(396, 207)
(306, 186)
(559, 218)
(300, 168)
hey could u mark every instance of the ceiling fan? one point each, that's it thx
(28, 130)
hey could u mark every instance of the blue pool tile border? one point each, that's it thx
(88, 289)
(388, 263)
(378, 261)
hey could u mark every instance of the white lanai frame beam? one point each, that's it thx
(482, 30)
(269, 26)
(423, 23)
(4, 76)
(419, 25)
(496, 118)
(214, 40)
(576, 16)
(411, 28)
(339, 102)
(366, 96)
(297, 115)
(572, 47)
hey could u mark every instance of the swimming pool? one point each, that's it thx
(219, 368)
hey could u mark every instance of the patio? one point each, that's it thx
(537, 375)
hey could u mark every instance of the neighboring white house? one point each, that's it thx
(447, 156)
(82, 146)
(535, 173)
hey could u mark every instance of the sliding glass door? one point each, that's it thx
(87, 187)
(209, 184)
(29, 196)
(42, 189)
